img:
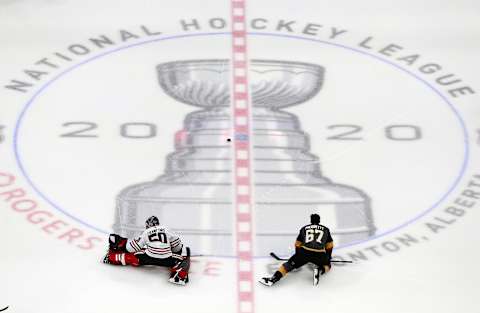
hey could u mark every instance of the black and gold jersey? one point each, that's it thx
(314, 237)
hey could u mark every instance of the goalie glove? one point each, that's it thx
(117, 243)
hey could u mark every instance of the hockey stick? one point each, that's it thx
(192, 255)
(276, 257)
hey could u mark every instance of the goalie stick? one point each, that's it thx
(276, 257)
(192, 255)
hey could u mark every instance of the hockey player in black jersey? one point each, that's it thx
(314, 245)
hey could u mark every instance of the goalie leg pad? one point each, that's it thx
(179, 272)
(123, 259)
(181, 268)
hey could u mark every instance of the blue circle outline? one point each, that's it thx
(378, 58)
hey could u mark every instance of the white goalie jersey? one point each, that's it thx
(157, 241)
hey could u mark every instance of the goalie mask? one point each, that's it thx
(152, 221)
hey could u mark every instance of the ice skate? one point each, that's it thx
(316, 275)
(105, 259)
(267, 281)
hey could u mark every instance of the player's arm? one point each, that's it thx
(300, 239)
(329, 245)
(175, 243)
(136, 244)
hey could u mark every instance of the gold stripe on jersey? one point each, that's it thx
(329, 245)
(314, 250)
(298, 244)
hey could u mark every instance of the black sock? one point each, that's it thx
(277, 276)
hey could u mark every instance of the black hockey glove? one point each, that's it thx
(117, 243)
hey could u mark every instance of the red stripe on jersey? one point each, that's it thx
(159, 253)
(158, 249)
(133, 246)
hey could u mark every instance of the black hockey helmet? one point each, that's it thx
(315, 218)
(152, 221)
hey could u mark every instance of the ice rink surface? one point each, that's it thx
(233, 121)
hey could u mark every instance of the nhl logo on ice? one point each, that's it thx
(348, 131)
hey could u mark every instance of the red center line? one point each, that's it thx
(242, 160)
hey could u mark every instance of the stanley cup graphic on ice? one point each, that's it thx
(194, 196)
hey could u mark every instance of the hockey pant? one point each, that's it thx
(178, 264)
(302, 257)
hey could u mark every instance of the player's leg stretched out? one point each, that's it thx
(296, 261)
(179, 272)
(322, 265)
(117, 253)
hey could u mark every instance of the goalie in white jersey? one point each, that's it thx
(155, 246)
(159, 243)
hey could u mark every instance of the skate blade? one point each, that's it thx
(268, 284)
(181, 282)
